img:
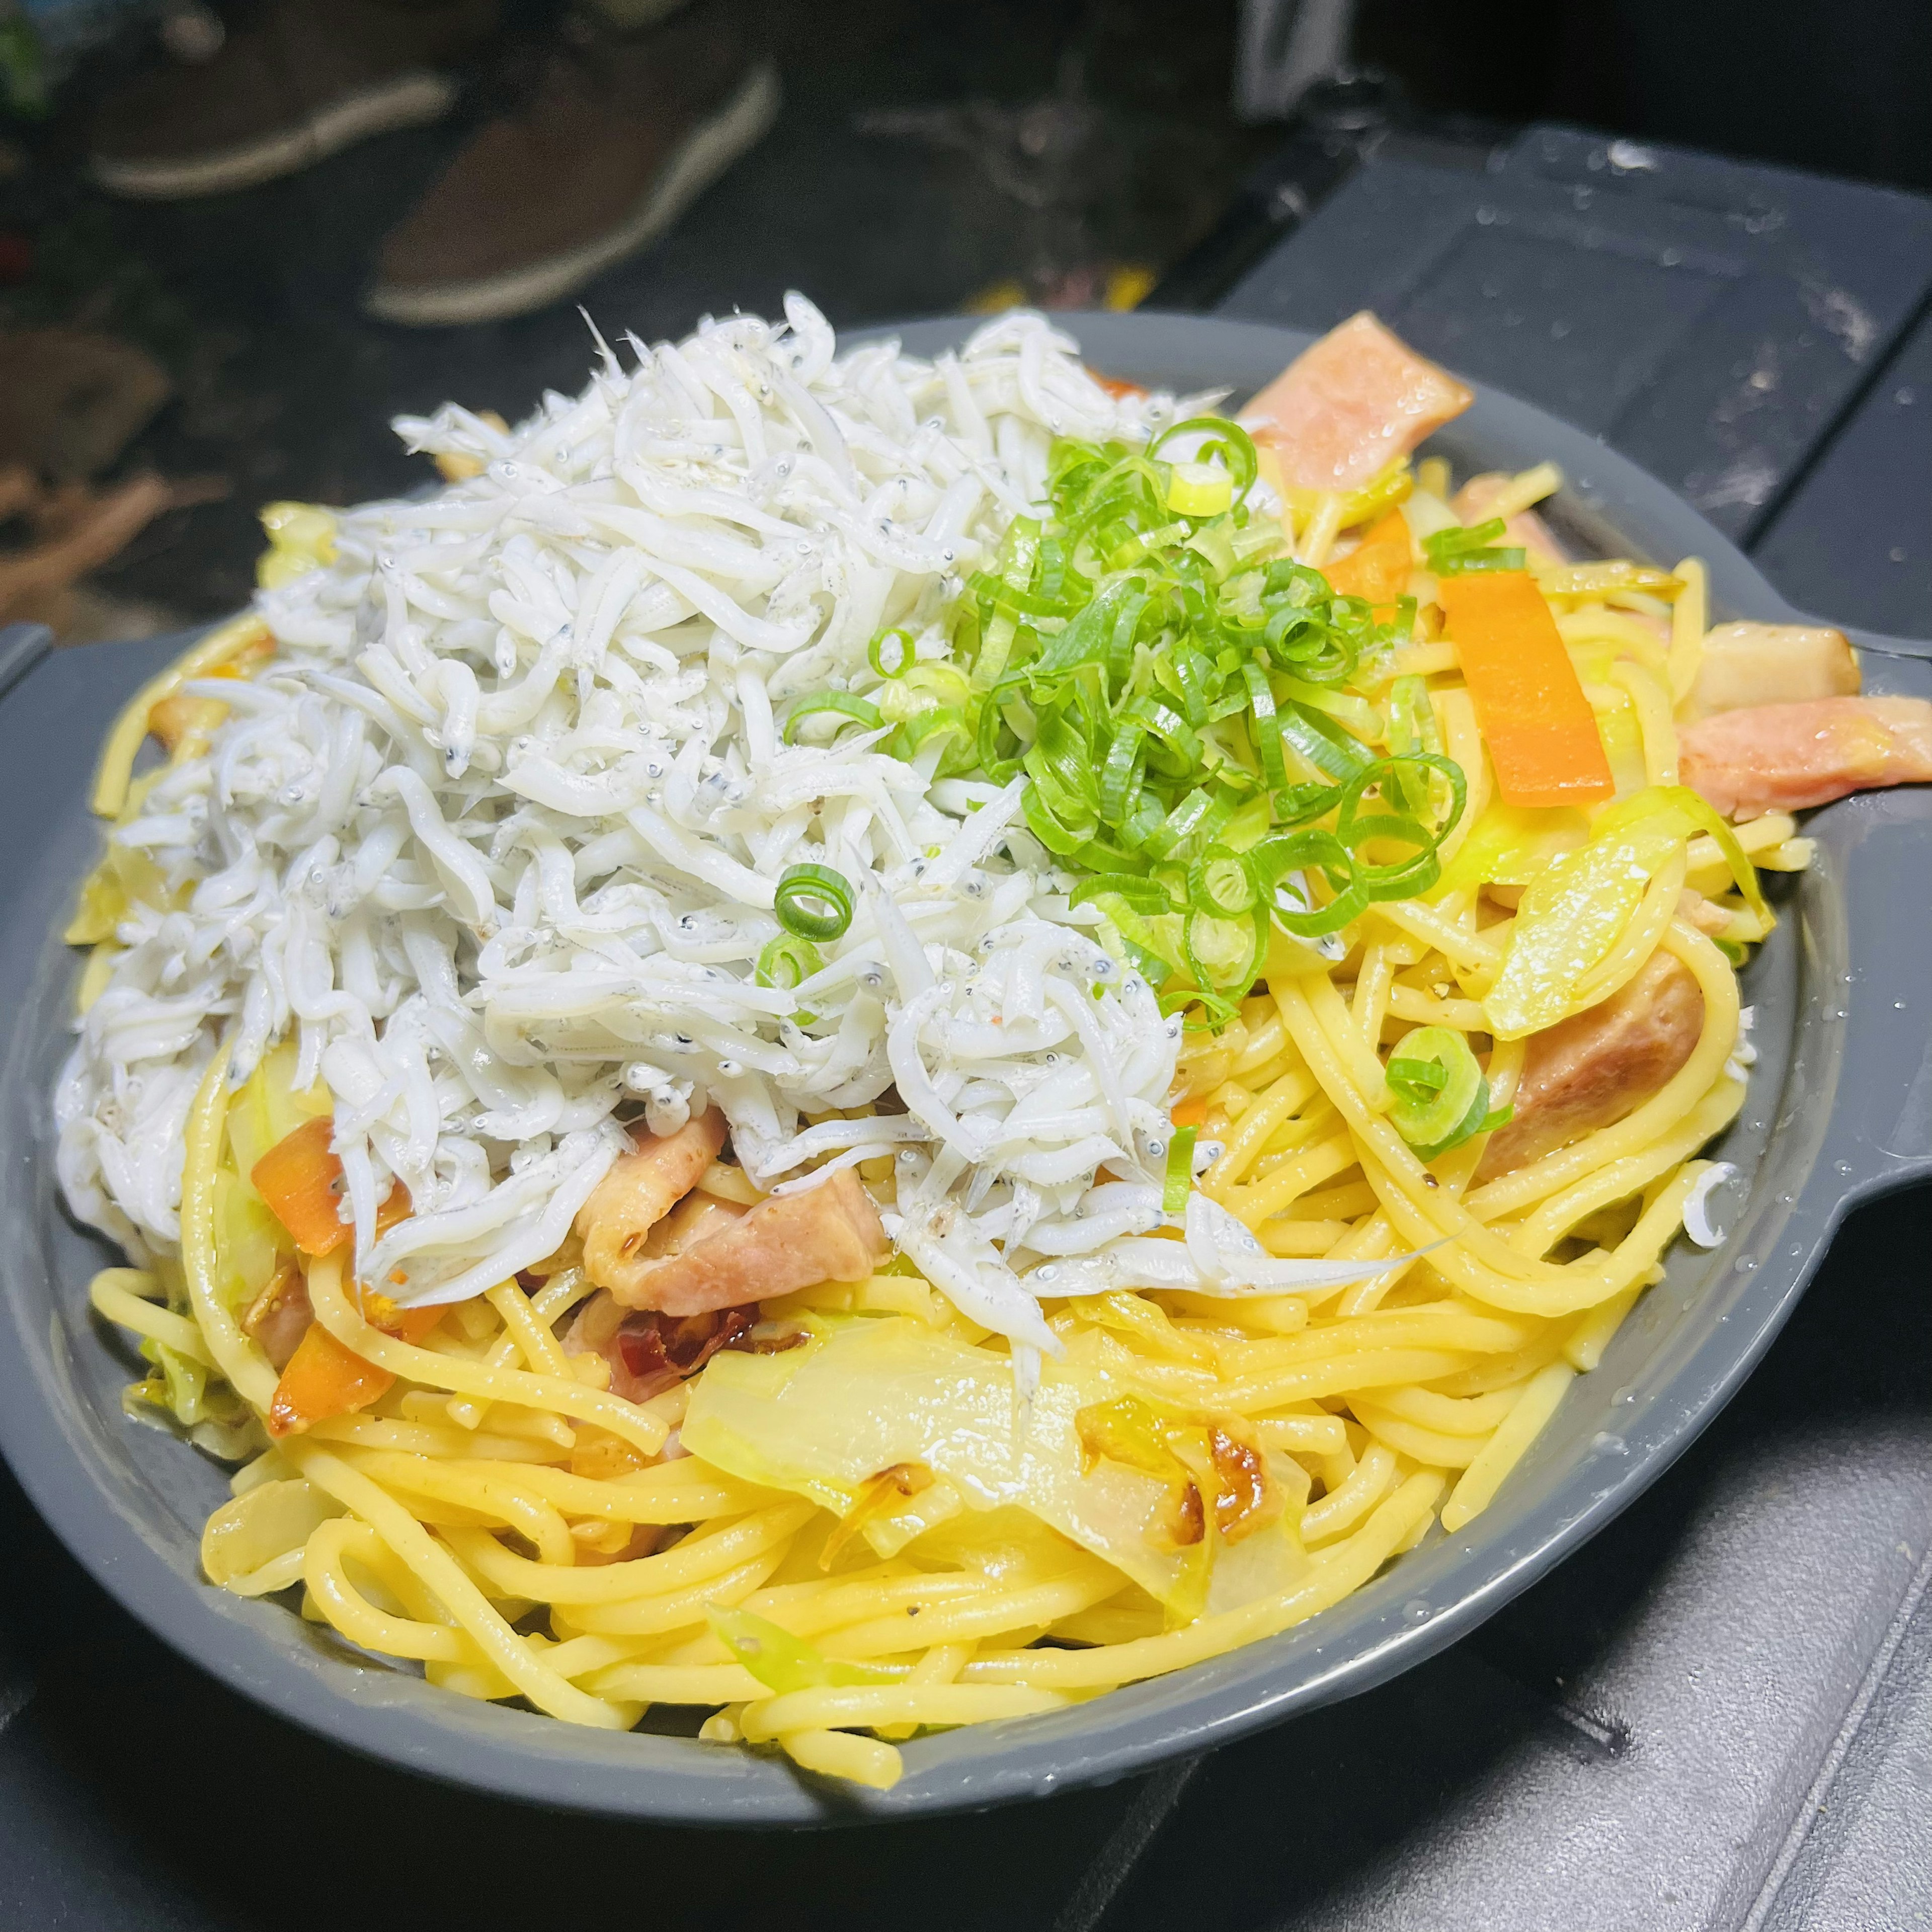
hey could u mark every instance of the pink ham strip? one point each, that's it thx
(1787, 758)
(1349, 405)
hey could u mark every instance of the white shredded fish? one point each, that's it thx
(496, 837)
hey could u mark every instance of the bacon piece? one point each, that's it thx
(279, 1317)
(1348, 405)
(1590, 1070)
(636, 1195)
(830, 1233)
(1526, 528)
(1748, 664)
(646, 1351)
(1786, 758)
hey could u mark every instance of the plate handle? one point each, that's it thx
(1868, 965)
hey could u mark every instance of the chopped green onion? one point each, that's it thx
(891, 652)
(787, 960)
(831, 704)
(1454, 551)
(1180, 1172)
(813, 902)
(1176, 694)
(1439, 1098)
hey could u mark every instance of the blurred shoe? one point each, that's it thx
(297, 80)
(620, 135)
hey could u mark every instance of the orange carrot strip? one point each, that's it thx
(301, 1179)
(1190, 1113)
(324, 1378)
(1378, 568)
(1115, 386)
(1540, 731)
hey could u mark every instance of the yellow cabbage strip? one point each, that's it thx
(1572, 917)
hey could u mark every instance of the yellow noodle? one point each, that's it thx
(1343, 1570)
(332, 1309)
(1620, 1179)
(1256, 1126)
(1689, 619)
(1484, 1477)
(828, 1708)
(116, 1299)
(440, 1573)
(1428, 1447)
(1653, 703)
(1346, 1504)
(1592, 1335)
(840, 1754)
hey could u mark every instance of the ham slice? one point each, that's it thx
(830, 1233)
(640, 1190)
(1348, 405)
(1787, 758)
(1590, 1070)
(1749, 664)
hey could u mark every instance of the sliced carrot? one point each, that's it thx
(301, 1179)
(1190, 1113)
(1378, 568)
(1540, 731)
(325, 1377)
(1114, 386)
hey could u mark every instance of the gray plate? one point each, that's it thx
(1840, 1107)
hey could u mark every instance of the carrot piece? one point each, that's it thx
(1377, 569)
(1116, 387)
(301, 1179)
(1190, 1113)
(1540, 731)
(325, 1377)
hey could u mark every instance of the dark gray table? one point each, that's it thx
(1718, 1717)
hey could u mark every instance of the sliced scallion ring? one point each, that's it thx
(832, 704)
(1440, 1097)
(788, 960)
(891, 652)
(813, 902)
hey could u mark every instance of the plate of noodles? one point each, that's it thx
(875, 1077)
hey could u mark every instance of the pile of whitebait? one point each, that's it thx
(499, 834)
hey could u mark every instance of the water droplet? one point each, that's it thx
(1749, 1262)
(1416, 1610)
(1898, 1005)
(1605, 1443)
(1843, 1166)
(1625, 1395)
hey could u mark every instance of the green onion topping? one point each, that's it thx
(1172, 689)
(813, 902)
(1180, 1171)
(831, 704)
(1452, 552)
(1439, 1097)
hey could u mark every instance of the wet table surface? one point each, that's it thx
(1717, 1716)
